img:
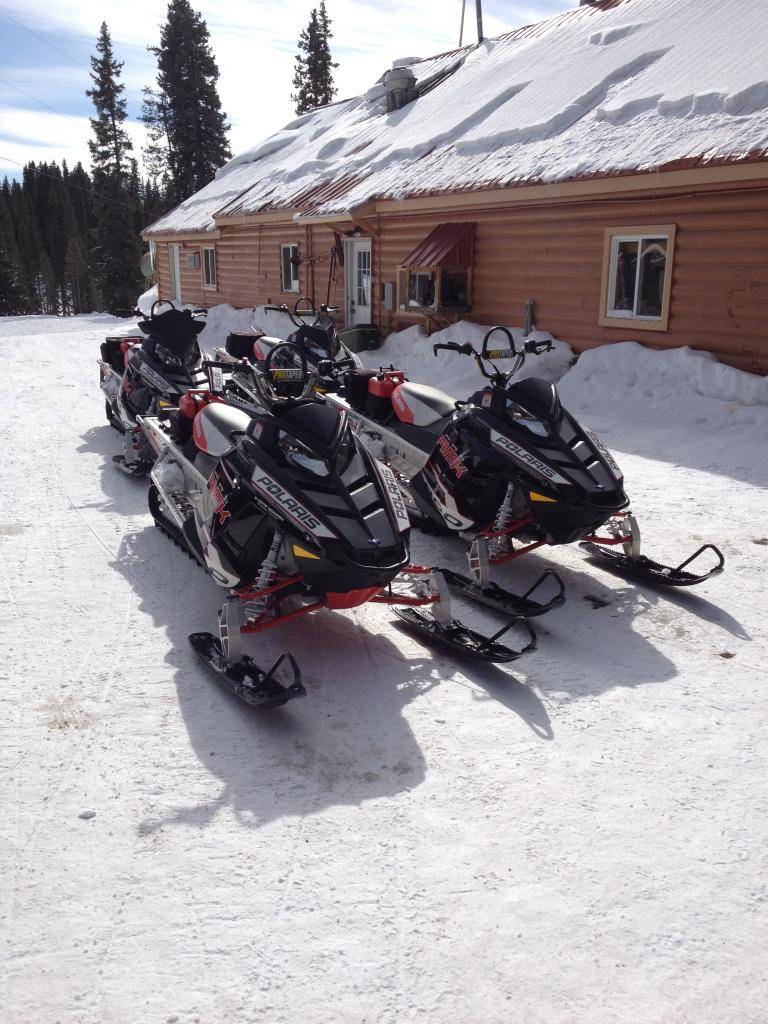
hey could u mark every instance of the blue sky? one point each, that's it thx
(44, 111)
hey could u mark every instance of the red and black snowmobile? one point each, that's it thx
(140, 375)
(508, 469)
(286, 510)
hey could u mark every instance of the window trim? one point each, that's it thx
(283, 289)
(404, 274)
(614, 234)
(213, 285)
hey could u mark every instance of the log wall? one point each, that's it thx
(552, 253)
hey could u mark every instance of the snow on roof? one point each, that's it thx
(624, 86)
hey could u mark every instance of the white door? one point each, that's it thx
(358, 281)
(175, 264)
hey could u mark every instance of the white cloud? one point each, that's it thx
(37, 135)
(254, 43)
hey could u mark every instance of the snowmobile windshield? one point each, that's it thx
(176, 331)
(302, 456)
(520, 416)
(298, 454)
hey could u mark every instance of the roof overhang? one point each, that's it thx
(752, 171)
(180, 236)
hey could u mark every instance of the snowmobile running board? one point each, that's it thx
(465, 640)
(494, 596)
(654, 572)
(244, 678)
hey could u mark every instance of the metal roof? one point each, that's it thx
(447, 245)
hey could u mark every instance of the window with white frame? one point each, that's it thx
(209, 267)
(637, 273)
(290, 267)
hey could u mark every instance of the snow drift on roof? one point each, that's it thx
(634, 85)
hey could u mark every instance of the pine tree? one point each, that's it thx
(111, 143)
(12, 297)
(29, 246)
(186, 125)
(313, 74)
(116, 249)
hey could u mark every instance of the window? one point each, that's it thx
(290, 267)
(437, 275)
(637, 275)
(209, 267)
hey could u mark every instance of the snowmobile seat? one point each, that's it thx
(421, 404)
(217, 429)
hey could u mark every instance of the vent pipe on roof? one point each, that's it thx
(479, 9)
(400, 84)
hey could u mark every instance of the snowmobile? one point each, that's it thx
(508, 469)
(318, 341)
(287, 511)
(138, 376)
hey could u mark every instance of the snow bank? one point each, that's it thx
(590, 91)
(146, 300)
(225, 319)
(675, 379)
(411, 350)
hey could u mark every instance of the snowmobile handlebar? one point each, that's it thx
(488, 354)
(298, 316)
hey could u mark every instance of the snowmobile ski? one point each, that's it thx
(139, 468)
(244, 678)
(465, 640)
(654, 572)
(494, 596)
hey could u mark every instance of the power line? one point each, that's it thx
(70, 184)
(41, 102)
(43, 39)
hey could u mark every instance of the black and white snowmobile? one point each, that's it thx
(289, 513)
(318, 341)
(509, 469)
(140, 375)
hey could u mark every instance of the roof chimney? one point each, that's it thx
(400, 84)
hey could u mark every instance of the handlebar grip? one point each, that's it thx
(537, 347)
(277, 309)
(452, 346)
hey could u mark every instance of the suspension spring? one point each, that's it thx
(265, 578)
(502, 521)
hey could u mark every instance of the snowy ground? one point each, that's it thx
(578, 837)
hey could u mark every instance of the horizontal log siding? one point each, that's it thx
(554, 255)
(248, 266)
(550, 253)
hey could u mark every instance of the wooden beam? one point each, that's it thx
(619, 185)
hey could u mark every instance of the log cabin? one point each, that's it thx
(608, 166)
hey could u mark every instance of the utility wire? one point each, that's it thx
(43, 39)
(69, 184)
(34, 99)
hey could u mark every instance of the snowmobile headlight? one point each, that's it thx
(299, 455)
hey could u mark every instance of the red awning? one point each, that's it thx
(447, 245)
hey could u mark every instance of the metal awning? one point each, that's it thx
(447, 245)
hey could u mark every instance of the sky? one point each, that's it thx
(45, 50)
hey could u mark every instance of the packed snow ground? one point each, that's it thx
(579, 836)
